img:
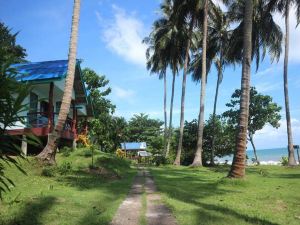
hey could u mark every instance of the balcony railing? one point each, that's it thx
(40, 119)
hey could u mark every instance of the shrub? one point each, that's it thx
(48, 171)
(65, 168)
(284, 161)
(159, 160)
(87, 153)
(66, 151)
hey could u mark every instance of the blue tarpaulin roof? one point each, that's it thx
(133, 145)
(38, 71)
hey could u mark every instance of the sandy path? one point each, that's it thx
(129, 212)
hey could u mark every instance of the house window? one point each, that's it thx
(57, 106)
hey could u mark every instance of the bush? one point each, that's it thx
(284, 161)
(65, 168)
(159, 160)
(87, 153)
(48, 171)
(66, 151)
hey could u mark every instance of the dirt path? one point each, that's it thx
(143, 205)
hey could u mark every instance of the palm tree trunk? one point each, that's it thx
(198, 156)
(292, 160)
(165, 113)
(254, 149)
(49, 152)
(171, 115)
(238, 164)
(212, 153)
(185, 69)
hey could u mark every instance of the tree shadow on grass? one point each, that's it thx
(201, 188)
(83, 180)
(32, 212)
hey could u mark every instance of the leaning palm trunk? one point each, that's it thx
(291, 161)
(219, 80)
(49, 152)
(171, 115)
(165, 113)
(238, 164)
(254, 149)
(198, 156)
(185, 69)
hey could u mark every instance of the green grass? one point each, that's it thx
(268, 195)
(77, 197)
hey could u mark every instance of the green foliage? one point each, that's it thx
(10, 51)
(66, 151)
(224, 139)
(141, 128)
(284, 161)
(49, 171)
(65, 168)
(12, 95)
(262, 111)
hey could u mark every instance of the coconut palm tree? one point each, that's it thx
(49, 152)
(165, 50)
(198, 155)
(189, 14)
(256, 34)
(238, 164)
(283, 6)
(218, 40)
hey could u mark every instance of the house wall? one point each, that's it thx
(42, 91)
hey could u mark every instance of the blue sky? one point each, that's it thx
(110, 36)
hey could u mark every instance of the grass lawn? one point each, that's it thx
(72, 196)
(268, 195)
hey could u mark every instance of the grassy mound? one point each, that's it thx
(68, 193)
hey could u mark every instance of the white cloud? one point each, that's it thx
(294, 56)
(264, 72)
(270, 137)
(123, 93)
(123, 36)
(268, 86)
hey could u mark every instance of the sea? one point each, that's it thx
(265, 156)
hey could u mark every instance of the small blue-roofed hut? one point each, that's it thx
(132, 148)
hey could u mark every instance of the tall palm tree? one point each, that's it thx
(258, 34)
(188, 13)
(49, 152)
(165, 50)
(238, 164)
(283, 6)
(218, 40)
(198, 156)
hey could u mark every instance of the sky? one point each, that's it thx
(110, 42)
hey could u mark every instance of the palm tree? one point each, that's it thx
(49, 152)
(165, 49)
(198, 156)
(238, 164)
(187, 13)
(258, 34)
(219, 36)
(283, 6)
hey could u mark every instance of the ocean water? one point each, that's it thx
(265, 156)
